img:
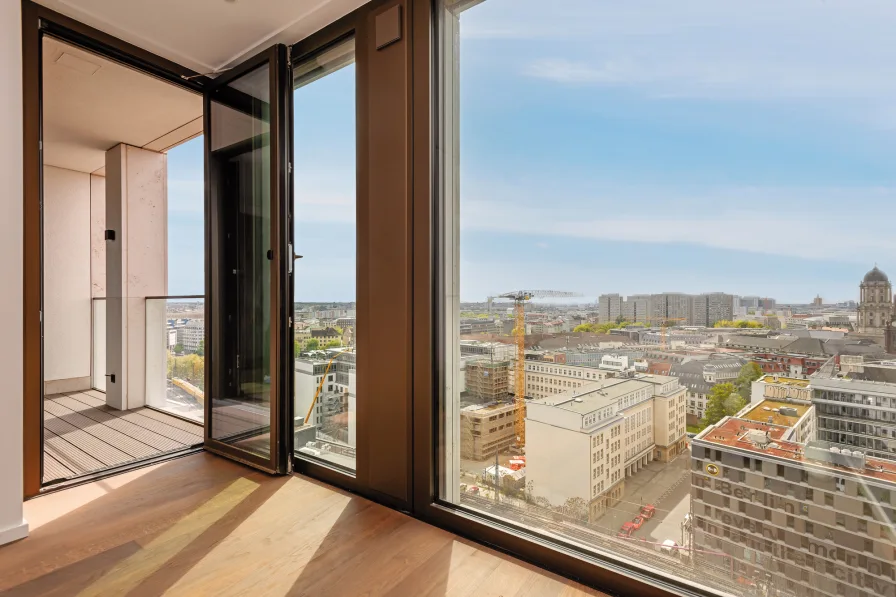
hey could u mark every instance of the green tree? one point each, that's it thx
(333, 344)
(297, 346)
(749, 373)
(178, 348)
(200, 350)
(723, 401)
(583, 327)
(312, 344)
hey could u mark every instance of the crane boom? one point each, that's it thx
(519, 297)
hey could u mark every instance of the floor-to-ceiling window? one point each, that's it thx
(644, 201)
(325, 236)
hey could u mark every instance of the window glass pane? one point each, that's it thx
(325, 233)
(241, 156)
(702, 387)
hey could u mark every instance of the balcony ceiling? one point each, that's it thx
(205, 35)
(91, 104)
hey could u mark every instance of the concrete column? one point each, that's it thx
(136, 264)
(12, 523)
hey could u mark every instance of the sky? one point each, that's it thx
(638, 147)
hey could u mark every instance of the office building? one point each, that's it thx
(806, 518)
(609, 308)
(583, 443)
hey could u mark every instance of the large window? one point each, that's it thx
(325, 236)
(738, 154)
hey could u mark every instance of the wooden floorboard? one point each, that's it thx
(83, 435)
(202, 525)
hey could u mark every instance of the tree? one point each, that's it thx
(723, 402)
(583, 327)
(576, 507)
(333, 344)
(178, 348)
(312, 344)
(749, 373)
(297, 346)
(200, 350)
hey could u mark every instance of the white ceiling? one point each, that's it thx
(206, 35)
(91, 104)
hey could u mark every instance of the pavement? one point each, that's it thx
(666, 486)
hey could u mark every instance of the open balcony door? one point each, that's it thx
(248, 330)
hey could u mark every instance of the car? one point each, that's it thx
(670, 547)
(474, 490)
(648, 511)
(626, 530)
(638, 521)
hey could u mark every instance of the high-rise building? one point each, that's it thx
(609, 308)
(712, 307)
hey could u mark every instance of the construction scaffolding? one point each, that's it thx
(488, 381)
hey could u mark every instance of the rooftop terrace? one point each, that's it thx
(740, 433)
(761, 411)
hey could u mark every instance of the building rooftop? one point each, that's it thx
(766, 439)
(490, 407)
(595, 395)
(784, 381)
(761, 412)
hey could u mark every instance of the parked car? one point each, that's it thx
(626, 530)
(474, 490)
(638, 521)
(648, 511)
(669, 547)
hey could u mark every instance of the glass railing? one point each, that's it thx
(98, 344)
(175, 355)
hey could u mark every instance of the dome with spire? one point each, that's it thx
(875, 275)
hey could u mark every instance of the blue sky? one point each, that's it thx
(644, 146)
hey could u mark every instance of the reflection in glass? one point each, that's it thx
(241, 283)
(325, 233)
(738, 433)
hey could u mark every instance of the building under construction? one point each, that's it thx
(488, 381)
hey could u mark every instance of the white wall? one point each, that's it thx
(98, 235)
(558, 462)
(12, 525)
(67, 323)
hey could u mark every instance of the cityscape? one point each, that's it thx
(745, 444)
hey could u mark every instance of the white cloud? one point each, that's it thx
(821, 224)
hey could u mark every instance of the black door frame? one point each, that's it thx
(278, 138)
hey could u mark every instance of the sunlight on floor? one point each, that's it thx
(129, 573)
(48, 508)
(297, 545)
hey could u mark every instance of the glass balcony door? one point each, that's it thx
(247, 165)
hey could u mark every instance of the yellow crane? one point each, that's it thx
(321, 384)
(664, 322)
(520, 298)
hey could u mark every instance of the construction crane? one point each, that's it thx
(664, 322)
(519, 298)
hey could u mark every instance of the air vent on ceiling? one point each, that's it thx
(76, 63)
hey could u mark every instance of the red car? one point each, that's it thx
(626, 530)
(637, 521)
(648, 511)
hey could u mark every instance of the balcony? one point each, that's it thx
(82, 435)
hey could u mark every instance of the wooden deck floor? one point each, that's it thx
(202, 525)
(82, 435)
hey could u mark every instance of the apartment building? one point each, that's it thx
(858, 408)
(636, 307)
(583, 443)
(700, 375)
(804, 519)
(712, 307)
(333, 381)
(191, 335)
(487, 429)
(609, 307)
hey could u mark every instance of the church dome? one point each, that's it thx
(875, 275)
